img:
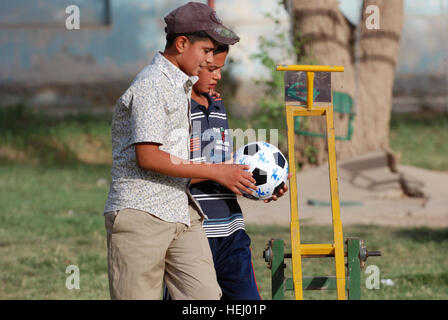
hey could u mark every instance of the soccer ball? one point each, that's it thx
(268, 166)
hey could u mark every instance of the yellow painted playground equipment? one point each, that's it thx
(356, 252)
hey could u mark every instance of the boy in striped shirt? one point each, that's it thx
(211, 142)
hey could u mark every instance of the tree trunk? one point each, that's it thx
(330, 40)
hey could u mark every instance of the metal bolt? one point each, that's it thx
(267, 254)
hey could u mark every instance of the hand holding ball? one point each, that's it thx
(268, 166)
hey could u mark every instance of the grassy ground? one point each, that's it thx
(422, 139)
(51, 218)
(39, 140)
(54, 178)
(413, 258)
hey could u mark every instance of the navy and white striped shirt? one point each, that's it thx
(211, 141)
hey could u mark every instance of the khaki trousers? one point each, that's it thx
(144, 251)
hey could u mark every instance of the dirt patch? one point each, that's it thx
(90, 150)
(14, 155)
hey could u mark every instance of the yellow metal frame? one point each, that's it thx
(298, 249)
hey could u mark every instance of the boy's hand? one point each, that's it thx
(214, 94)
(280, 193)
(235, 178)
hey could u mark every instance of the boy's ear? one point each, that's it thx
(181, 43)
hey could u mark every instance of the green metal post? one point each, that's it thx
(354, 268)
(278, 269)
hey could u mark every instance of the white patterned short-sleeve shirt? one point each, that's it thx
(155, 108)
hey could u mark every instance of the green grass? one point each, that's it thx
(414, 258)
(422, 139)
(52, 218)
(54, 179)
(37, 139)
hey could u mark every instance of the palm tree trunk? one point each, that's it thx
(331, 40)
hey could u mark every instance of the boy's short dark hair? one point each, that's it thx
(191, 36)
(221, 48)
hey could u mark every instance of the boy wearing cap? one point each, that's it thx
(211, 142)
(153, 224)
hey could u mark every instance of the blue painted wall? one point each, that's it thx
(36, 46)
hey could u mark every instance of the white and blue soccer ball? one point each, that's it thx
(268, 166)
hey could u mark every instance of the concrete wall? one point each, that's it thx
(422, 71)
(47, 52)
(44, 63)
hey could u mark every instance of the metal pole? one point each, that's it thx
(354, 269)
(278, 270)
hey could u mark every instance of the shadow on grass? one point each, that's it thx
(424, 234)
(41, 139)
